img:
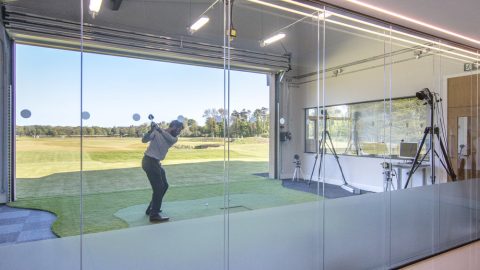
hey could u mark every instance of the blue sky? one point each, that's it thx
(114, 88)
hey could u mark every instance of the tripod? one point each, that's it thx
(298, 172)
(388, 174)
(433, 132)
(329, 144)
(446, 165)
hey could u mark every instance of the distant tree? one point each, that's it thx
(242, 123)
(194, 128)
(211, 116)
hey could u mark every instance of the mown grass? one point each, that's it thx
(46, 156)
(49, 177)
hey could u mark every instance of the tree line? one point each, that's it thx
(242, 123)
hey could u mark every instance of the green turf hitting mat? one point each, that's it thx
(188, 209)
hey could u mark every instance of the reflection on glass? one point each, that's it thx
(462, 146)
(462, 138)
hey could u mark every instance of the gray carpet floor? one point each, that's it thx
(331, 191)
(24, 225)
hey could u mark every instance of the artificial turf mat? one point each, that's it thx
(180, 210)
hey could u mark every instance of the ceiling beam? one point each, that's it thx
(115, 4)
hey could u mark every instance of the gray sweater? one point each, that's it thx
(160, 141)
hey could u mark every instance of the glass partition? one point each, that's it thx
(413, 205)
(43, 216)
(357, 70)
(247, 134)
(270, 205)
(153, 138)
(458, 119)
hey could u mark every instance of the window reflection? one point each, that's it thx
(359, 129)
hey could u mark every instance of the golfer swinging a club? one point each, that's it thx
(160, 141)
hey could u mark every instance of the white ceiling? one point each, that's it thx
(459, 16)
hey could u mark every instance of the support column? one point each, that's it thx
(7, 129)
(273, 137)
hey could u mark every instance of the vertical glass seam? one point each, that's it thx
(323, 141)
(81, 135)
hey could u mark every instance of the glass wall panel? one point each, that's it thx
(275, 210)
(440, 216)
(459, 121)
(42, 218)
(247, 134)
(153, 139)
(477, 185)
(414, 212)
(357, 142)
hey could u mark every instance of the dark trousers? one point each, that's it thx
(158, 181)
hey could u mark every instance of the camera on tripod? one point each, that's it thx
(296, 160)
(388, 174)
(298, 172)
(386, 165)
(425, 95)
(435, 136)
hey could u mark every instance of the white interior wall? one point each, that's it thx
(406, 79)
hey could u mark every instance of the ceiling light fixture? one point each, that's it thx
(95, 6)
(272, 39)
(414, 21)
(199, 24)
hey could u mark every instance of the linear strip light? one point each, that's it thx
(199, 24)
(405, 34)
(329, 13)
(414, 21)
(95, 6)
(366, 30)
(399, 39)
(285, 9)
(272, 39)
